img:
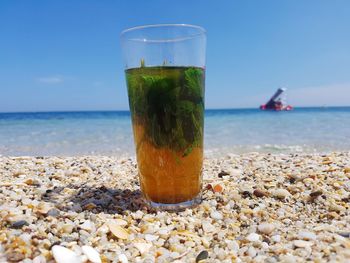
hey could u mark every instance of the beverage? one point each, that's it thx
(167, 109)
(166, 99)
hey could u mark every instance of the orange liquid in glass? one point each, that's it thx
(165, 176)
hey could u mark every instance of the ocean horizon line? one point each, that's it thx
(128, 111)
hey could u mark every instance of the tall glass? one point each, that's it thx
(165, 76)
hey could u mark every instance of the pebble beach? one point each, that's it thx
(256, 207)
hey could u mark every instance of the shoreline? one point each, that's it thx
(275, 207)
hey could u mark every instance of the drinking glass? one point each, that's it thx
(165, 76)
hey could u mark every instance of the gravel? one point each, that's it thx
(256, 208)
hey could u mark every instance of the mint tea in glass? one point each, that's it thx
(165, 76)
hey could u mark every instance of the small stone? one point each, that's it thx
(259, 193)
(288, 259)
(91, 254)
(118, 231)
(18, 173)
(302, 243)
(87, 225)
(347, 170)
(344, 234)
(209, 187)
(306, 235)
(316, 193)
(64, 255)
(31, 181)
(266, 228)
(232, 245)
(122, 258)
(253, 237)
(174, 255)
(89, 206)
(336, 208)
(236, 172)
(264, 245)
(251, 252)
(143, 247)
(120, 222)
(216, 215)
(19, 224)
(208, 227)
(213, 203)
(222, 174)
(39, 259)
(67, 228)
(138, 215)
(26, 237)
(151, 238)
(77, 208)
(203, 255)
(217, 188)
(44, 208)
(276, 238)
(14, 256)
(104, 229)
(53, 212)
(299, 224)
(281, 193)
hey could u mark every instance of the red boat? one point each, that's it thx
(277, 102)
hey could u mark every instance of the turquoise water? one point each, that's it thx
(235, 131)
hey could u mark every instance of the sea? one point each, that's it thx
(227, 131)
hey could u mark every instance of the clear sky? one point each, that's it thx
(65, 55)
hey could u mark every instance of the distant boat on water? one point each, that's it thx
(277, 102)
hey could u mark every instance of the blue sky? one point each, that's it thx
(65, 55)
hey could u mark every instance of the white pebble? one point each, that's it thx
(120, 222)
(253, 237)
(174, 254)
(251, 252)
(205, 242)
(138, 215)
(143, 247)
(276, 238)
(64, 255)
(213, 203)
(91, 254)
(163, 232)
(264, 245)
(281, 193)
(235, 172)
(208, 227)
(337, 208)
(280, 212)
(122, 258)
(216, 215)
(299, 224)
(266, 228)
(104, 229)
(84, 259)
(302, 243)
(151, 238)
(39, 259)
(118, 231)
(288, 259)
(87, 225)
(26, 237)
(232, 245)
(306, 235)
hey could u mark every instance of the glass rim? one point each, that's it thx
(201, 31)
